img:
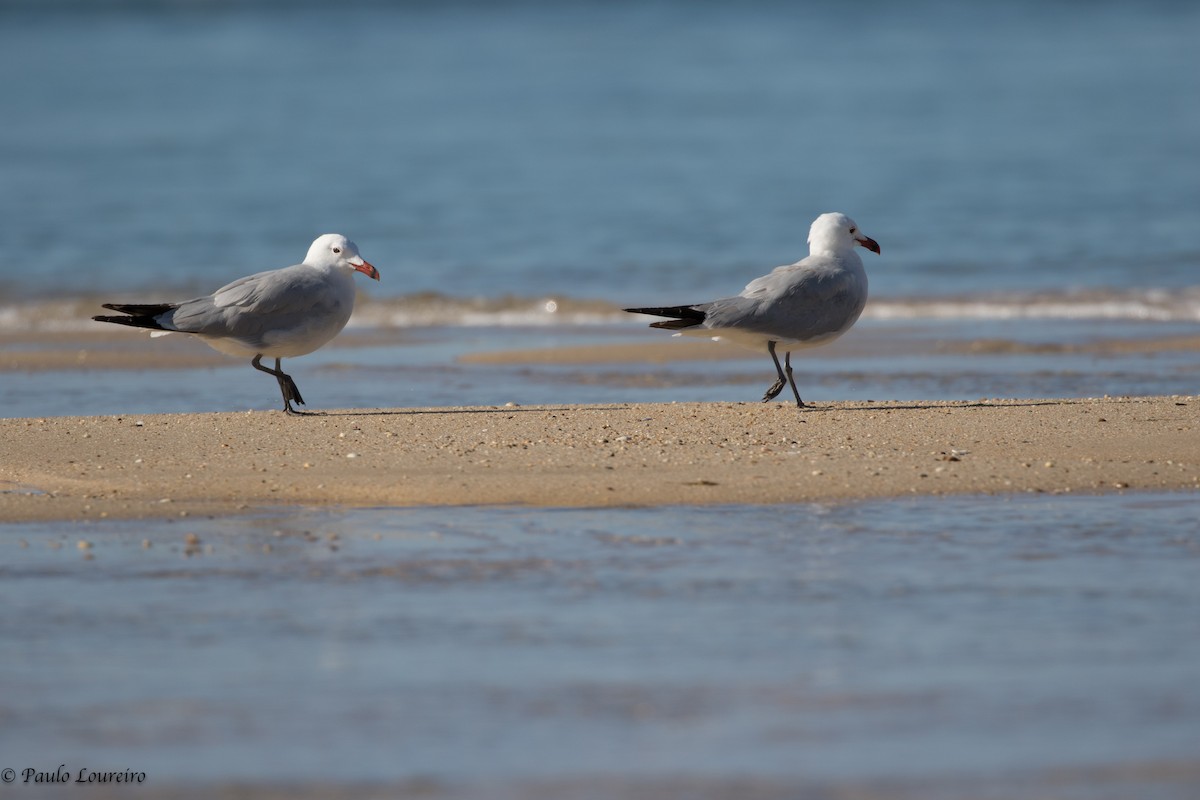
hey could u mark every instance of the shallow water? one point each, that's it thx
(879, 360)
(992, 643)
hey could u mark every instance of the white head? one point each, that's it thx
(334, 251)
(836, 232)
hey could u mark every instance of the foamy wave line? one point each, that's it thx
(1159, 305)
(432, 310)
(1154, 305)
(438, 310)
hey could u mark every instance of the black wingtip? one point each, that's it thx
(681, 316)
(679, 312)
(133, 322)
(140, 315)
(675, 324)
(141, 309)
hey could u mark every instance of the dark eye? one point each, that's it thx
(852, 230)
(337, 249)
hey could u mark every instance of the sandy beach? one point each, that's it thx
(580, 456)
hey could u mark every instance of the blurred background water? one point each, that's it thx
(536, 166)
(622, 151)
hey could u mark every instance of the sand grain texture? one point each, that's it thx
(639, 454)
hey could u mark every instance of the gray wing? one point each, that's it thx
(254, 305)
(799, 302)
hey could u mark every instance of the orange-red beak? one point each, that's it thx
(366, 269)
(868, 242)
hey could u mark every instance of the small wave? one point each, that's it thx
(1152, 305)
(433, 310)
(73, 314)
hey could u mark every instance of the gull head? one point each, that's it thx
(836, 232)
(334, 251)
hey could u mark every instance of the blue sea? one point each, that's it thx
(519, 172)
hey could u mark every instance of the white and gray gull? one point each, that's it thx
(809, 303)
(282, 313)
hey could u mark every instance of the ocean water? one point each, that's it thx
(624, 152)
(521, 171)
(1033, 646)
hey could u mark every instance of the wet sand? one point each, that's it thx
(592, 456)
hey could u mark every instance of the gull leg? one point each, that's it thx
(287, 386)
(778, 385)
(787, 367)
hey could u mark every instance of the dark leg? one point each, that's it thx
(787, 367)
(287, 386)
(778, 385)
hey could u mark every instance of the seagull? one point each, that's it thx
(809, 303)
(282, 313)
